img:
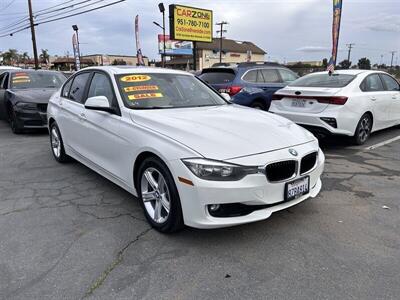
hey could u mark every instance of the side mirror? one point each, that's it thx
(226, 96)
(99, 103)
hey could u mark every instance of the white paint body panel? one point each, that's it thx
(383, 105)
(110, 144)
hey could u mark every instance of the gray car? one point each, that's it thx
(24, 95)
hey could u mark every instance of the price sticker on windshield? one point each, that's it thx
(135, 78)
(145, 96)
(140, 88)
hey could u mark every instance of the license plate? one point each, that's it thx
(298, 103)
(297, 188)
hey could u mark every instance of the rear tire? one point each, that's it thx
(57, 144)
(258, 105)
(363, 130)
(161, 204)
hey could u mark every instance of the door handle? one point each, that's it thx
(373, 98)
(82, 116)
(394, 97)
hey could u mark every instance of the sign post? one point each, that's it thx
(191, 24)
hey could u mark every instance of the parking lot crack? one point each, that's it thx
(118, 259)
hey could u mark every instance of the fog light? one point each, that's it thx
(214, 207)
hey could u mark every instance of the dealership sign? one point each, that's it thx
(190, 23)
(173, 47)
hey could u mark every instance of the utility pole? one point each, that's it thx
(221, 32)
(35, 54)
(391, 61)
(349, 53)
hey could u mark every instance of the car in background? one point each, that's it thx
(190, 156)
(348, 102)
(249, 84)
(24, 95)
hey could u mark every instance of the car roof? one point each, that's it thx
(136, 70)
(349, 72)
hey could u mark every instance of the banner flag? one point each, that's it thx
(140, 61)
(76, 53)
(337, 14)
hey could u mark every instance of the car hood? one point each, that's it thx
(33, 95)
(224, 132)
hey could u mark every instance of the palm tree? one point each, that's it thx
(44, 56)
(10, 57)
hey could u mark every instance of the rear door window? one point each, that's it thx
(270, 75)
(218, 77)
(372, 83)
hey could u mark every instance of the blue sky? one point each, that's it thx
(288, 30)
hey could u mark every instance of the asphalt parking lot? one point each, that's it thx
(67, 233)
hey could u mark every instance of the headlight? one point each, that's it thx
(217, 170)
(26, 106)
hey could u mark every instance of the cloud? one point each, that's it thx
(385, 23)
(313, 49)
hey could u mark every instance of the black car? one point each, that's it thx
(24, 95)
(249, 84)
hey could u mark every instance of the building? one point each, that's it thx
(68, 63)
(208, 54)
(312, 63)
(108, 59)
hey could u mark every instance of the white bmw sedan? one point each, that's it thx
(348, 102)
(190, 156)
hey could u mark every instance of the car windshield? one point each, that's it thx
(34, 80)
(324, 80)
(149, 91)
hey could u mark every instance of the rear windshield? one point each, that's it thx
(324, 80)
(218, 76)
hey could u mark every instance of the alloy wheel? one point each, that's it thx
(365, 129)
(55, 142)
(155, 195)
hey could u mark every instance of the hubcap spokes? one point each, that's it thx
(55, 142)
(155, 195)
(364, 129)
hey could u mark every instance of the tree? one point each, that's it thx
(118, 62)
(44, 56)
(364, 63)
(325, 63)
(345, 64)
(10, 57)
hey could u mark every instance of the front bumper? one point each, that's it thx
(251, 190)
(27, 118)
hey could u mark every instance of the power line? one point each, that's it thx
(7, 6)
(49, 11)
(51, 19)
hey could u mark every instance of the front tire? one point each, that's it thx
(258, 105)
(159, 196)
(15, 128)
(57, 144)
(363, 130)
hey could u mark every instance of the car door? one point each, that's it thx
(375, 96)
(392, 96)
(101, 139)
(70, 119)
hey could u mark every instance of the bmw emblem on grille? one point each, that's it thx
(293, 152)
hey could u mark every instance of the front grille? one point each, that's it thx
(308, 162)
(42, 107)
(281, 170)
